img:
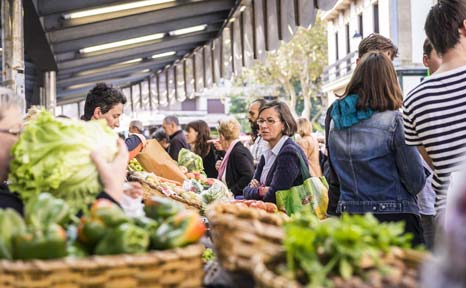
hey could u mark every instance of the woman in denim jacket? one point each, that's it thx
(378, 172)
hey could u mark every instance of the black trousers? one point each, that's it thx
(412, 225)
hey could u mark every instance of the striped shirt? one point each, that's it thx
(434, 115)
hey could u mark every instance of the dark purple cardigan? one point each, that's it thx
(284, 173)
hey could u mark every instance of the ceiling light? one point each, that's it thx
(122, 43)
(145, 71)
(114, 8)
(130, 61)
(161, 55)
(242, 8)
(188, 30)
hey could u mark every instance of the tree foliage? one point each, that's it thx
(298, 63)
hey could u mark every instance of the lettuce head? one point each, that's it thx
(53, 155)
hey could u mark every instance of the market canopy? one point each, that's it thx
(172, 49)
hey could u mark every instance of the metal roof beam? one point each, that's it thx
(80, 93)
(116, 71)
(74, 45)
(47, 7)
(159, 16)
(135, 52)
(181, 50)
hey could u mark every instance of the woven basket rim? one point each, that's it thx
(103, 261)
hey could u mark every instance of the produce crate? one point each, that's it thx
(181, 267)
(406, 266)
(239, 232)
(150, 190)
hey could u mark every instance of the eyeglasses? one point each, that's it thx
(12, 131)
(268, 121)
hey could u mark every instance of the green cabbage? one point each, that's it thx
(53, 155)
(190, 160)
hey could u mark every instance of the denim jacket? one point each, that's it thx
(378, 172)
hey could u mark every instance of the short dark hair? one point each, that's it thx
(442, 24)
(376, 42)
(427, 47)
(374, 81)
(285, 116)
(102, 96)
(171, 119)
(261, 102)
(160, 135)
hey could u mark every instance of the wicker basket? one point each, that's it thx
(266, 277)
(150, 190)
(181, 267)
(240, 232)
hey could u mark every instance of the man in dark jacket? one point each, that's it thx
(171, 125)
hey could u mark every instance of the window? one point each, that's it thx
(360, 25)
(376, 17)
(336, 47)
(348, 48)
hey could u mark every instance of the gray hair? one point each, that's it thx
(172, 119)
(9, 99)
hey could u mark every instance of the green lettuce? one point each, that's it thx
(53, 155)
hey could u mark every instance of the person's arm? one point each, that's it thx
(134, 143)
(244, 167)
(287, 169)
(408, 162)
(112, 174)
(425, 156)
(251, 192)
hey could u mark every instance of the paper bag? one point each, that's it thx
(153, 158)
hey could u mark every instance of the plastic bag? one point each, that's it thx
(190, 160)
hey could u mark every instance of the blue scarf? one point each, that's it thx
(345, 113)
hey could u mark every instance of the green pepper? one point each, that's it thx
(146, 223)
(37, 244)
(44, 209)
(11, 224)
(108, 212)
(184, 228)
(126, 238)
(90, 232)
(160, 209)
(74, 250)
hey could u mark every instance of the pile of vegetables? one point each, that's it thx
(266, 206)
(218, 191)
(106, 230)
(342, 249)
(53, 155)
(134, 165)
(40, 235)
(190, 161)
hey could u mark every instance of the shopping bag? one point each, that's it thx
(153, 158)
(311, 195)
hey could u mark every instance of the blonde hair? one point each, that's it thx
(304, 127)
(229, 128)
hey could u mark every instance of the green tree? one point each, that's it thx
(296, 68)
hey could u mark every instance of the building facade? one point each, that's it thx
(351, 20)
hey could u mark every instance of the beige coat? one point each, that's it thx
(311, 149)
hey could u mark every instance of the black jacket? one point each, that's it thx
(209, 163)
(329, 173)
(240, 169)
(10, 200)
(177, 141)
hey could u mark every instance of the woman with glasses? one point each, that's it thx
(279, 167)
(237, 167)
